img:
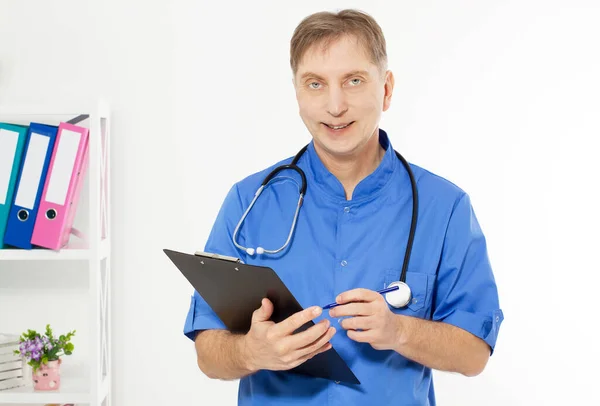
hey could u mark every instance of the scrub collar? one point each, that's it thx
(368, 188)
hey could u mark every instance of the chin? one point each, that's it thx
(339, 147)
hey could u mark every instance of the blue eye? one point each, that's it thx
(355, 81)
(313, 83)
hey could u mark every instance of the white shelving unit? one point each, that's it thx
(90, 382)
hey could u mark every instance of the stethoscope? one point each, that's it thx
(397, 298)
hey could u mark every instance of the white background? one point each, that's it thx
(500, 97)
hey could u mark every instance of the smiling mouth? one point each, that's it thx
(338, 127)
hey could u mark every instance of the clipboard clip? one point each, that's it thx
(217, 256)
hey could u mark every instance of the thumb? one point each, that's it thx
(264, 312)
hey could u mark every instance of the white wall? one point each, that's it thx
(500, 97)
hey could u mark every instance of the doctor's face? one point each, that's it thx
(341, 95)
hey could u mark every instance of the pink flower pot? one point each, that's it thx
(47, 377)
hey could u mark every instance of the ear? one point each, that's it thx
(388, 89)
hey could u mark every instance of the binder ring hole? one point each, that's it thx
(23, 215)
(51, 214)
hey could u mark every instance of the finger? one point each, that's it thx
(264, 312)
(358, 323)
(305, 358)
(360, 336)
(352, 309)
(357, 295)
(324, 348)
(308, 336)
(296, 320)
(324, 339)
(291, 355)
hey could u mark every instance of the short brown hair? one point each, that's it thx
(326, 26)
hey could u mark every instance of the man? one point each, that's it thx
(350, 240)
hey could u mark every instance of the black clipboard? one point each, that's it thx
(234, 290)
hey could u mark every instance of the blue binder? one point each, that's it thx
(30, 184)
(12, 141)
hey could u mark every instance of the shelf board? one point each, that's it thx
(54, 109)
(40, 254)
(74, 388)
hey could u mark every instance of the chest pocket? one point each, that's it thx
(421, 287)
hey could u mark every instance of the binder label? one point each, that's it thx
(64, 162)
(8, 148)
(32, 170)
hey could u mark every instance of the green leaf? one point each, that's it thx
(48, 330)
(34, 364)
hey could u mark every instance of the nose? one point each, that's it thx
(336, 102)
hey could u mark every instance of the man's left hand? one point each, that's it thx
(370, 313)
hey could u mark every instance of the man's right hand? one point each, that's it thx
(273, 346)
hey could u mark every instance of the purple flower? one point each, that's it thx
(49, 346)
(36, 355)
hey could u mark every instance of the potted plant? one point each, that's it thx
(43, 353)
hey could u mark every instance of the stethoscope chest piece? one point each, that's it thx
(400, 297)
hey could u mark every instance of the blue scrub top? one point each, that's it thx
(341, 245)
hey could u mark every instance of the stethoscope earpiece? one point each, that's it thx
(400, 297)
(251, 251)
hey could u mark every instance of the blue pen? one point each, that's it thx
(383, 291)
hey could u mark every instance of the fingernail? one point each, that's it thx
(338, 299)
(317, 311)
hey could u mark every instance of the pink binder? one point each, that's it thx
(62, 187)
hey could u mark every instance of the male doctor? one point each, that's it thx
(349, 241)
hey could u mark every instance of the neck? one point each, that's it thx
(351, 169)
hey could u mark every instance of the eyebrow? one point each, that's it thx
(347, 75)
